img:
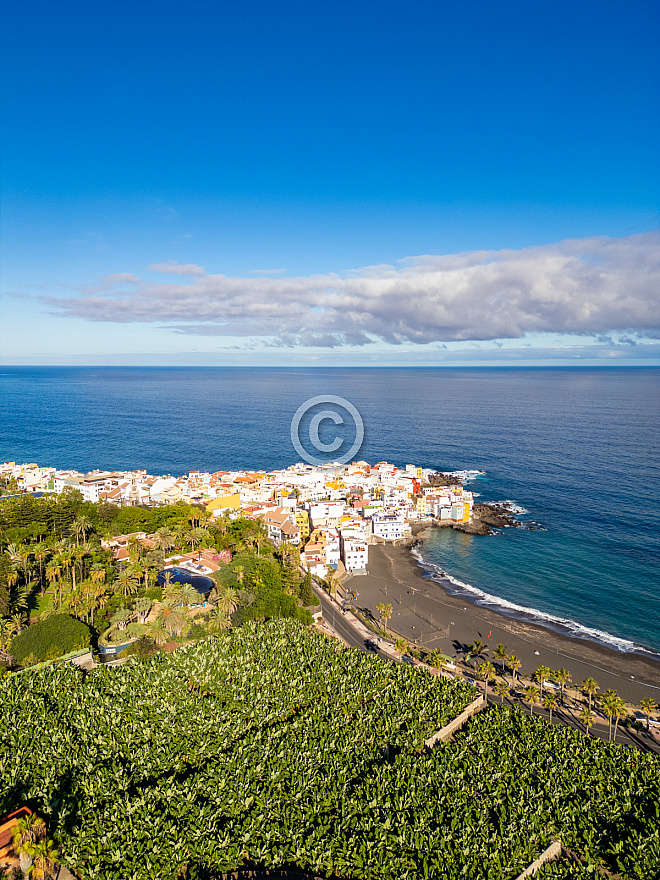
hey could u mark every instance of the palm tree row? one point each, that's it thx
(610, 703)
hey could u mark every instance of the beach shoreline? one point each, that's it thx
(425, 612)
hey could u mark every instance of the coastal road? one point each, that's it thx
(334, 618)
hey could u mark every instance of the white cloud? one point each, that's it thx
(587, 286)
(111, 281)
(174, 268)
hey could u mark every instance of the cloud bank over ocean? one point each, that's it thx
(579, 286)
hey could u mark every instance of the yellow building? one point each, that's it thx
(302, 521)
(225, 502)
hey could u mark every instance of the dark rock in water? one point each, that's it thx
(496, 515)
(488, 517)
(443, 479)
(474, 527)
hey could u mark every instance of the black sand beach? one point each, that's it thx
(425, 613)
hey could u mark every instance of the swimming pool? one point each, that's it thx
(200, 582)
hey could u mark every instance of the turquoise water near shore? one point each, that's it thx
(578, 448)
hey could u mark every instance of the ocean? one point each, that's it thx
(576, 448)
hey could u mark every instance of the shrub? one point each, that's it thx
(50, 638)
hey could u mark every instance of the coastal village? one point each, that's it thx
(332, 513)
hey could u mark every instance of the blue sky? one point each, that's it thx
(330, 182)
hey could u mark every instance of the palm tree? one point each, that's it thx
(587, 719)
(6, 633)
(152, 562)
(541, 675)
(590, 687)
(17, 623)
(178, 535)
(611, 705)
(384, 610)
(195, 536)
(477, 650)
(14, 551)
(218, 620)
(514, 665)
(81, 527)
(220, 525)
(402, 646)
(40, 557)
(12, 577)
(563, 676)
(171, 590)
(159, 634)
(228, 600)
(619, 711)
(135, 549)
(126, 584)
(168, 577)
(436, 660)
(239, 571)
(53, 571)
(500, 654)
(79, 554)
(648, 706)
(163, 538)
(532, 696)
(502, 690)
(187, 595)
(98, 573)
(65, 561)
(550, 703)
(332, 580)
(486, 671)
(172, 617)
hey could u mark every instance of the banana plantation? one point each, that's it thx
(273, 746)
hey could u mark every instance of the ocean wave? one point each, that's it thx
(512, 506)
(463, 476)
(561, 625)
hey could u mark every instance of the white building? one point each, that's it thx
(326, 515)
(354, 553)
(390, 527)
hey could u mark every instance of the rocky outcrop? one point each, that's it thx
(441, 479)
(486, 518)
(495, 515)
(473, 527)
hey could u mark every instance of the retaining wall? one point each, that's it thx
(552, 852)
(446, 732)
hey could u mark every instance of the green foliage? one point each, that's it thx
(103, 619)
(569, 870)
(262, 579)
(274, 746)
(5, 568)
(307, 595)
(51, 637)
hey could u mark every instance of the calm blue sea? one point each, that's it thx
(577, 448)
